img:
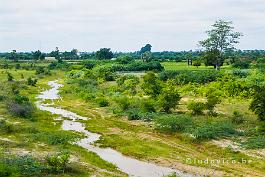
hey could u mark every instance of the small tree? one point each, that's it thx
(258, 102)
(169, 98)
(151, 85)
(9, 77)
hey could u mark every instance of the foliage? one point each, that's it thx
(257, 142)
(102, 102)
(242, 64)
(148, 105)
(151, 85)
(237, 118)
(104, 54)
(6, 127)
(21, 107)
(220, 39)
(9, 77)
(257, 104)
(196, 107)
(32, 82)
(212, 101)
(58, 163)
(55, 137)
(213, 130)
(169, 97)
(173, 123)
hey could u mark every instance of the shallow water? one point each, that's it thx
(133, 167)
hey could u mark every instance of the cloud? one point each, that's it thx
(123, 25)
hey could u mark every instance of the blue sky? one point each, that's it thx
(124, 25)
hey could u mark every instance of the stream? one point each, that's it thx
(132, 167)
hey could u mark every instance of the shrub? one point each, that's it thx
(5, 127)
(102, 102)
(56, 138)
(123, 102)
(9, 77)
(240, 73)
(8, 171)
(151, 85)
(242, 64)
(255, 142)
(32, 82)
(148, 105)
(172, 124)
(134, 114)
(212, 101)
(237, 118)
(23, 110)
(196, 107)
(58, 163)
(24, 166)
(213, 130)
(169, 98)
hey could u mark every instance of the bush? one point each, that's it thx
(212, 101)
(23, 110)
(196, 107)
(56, 138)
(242, 64)
(5, 127)
(240, 73)
(9, 77)
(8, 171)
(237, 118)
(255, 143)
(102, 102)
(148, 105)
(123, 102)
(213, 130)
(32, 82)
(134, 114)
(24, 166)
(58, 163)
(172, 124)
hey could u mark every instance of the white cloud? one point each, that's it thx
(123, 25)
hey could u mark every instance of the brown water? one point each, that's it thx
(132, 167)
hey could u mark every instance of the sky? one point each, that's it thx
(124, 25)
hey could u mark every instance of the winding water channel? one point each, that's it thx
(132, 167)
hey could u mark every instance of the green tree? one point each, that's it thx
(169, 97)
(146, 48)
(151, 84)
(257, 105)
(220, 39)
(104, 53)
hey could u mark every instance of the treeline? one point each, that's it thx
(106, 53)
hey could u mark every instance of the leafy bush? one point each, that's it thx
(57, 163)
(169, 97)
(213, 130)
(32, 82)
(172, 124)
(9, 77)
(23, 166)
(5, 127)
(148, 105)
(56, 138)
(8, 171)
(134, 114)
(196, 107)
(23, 110)
(240, 73)
(242, 64)
(102, 102)
(237, 118)
(123, 102)
(255, 143)
(212, 101)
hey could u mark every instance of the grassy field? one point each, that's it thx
(137, 139)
